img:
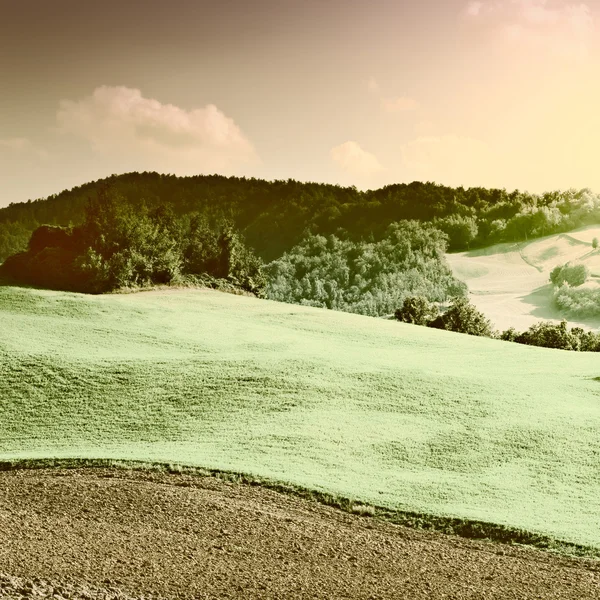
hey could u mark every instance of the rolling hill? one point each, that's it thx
(393, 415)
(510, 283)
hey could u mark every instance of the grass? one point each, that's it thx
(415, 421)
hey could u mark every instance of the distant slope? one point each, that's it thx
(510, 283)
(392, 414)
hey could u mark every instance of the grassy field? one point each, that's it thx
(510, 283)
(390, 414)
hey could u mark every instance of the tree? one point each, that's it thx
(509, 335)
(461, 230)
(463, 317)
(417, 310)
(574, 275)
(549, 335)
(595, 243)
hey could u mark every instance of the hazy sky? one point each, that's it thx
(499, 93)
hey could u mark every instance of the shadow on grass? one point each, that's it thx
(7, 280)
(466, 528)
(544, 308)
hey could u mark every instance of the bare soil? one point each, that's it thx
(114, 534)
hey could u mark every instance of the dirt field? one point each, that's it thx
(121, 534)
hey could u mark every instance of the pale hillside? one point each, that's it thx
(510, 283)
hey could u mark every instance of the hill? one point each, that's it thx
(394, 415)
(274, 216)
(510, 283)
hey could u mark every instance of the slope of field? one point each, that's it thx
(388, 413)
(510, 283)
(120, 535)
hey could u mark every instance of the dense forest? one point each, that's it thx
(118, 247)
(274, 216)
(369, 278)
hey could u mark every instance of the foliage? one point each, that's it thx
(568, 297)
(118, 246)
(463, 317)
(461, 230)
(417, 310)
(275, 216)
(551, 335)
(572, 275)
(595, 243)
(581, 303)
(238, 264)
(370, 278)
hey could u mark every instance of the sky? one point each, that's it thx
(494, 93)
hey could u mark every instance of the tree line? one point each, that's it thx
(463, 317)
(118, 246)
(274, 216)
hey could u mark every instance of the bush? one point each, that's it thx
(580, 303)
(574, 275)
(463, 317)
(595, 243)
(510, 335)
(417, 310)
(550, 335)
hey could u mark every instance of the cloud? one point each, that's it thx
(399, 104)
(120, 122)
(560, 26)
(354, 160)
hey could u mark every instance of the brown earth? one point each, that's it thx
(114, 534)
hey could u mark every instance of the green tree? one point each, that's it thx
(549, 335)
(461, 230)
(574, 275)
(417, 310)
(463, 317)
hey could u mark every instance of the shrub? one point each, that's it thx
(577, 302)
(417, 310)
(574, 275)
(463, 317)
(595, 243)
(510, 335)
(549, 335)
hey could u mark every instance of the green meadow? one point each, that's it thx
(390, 414)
